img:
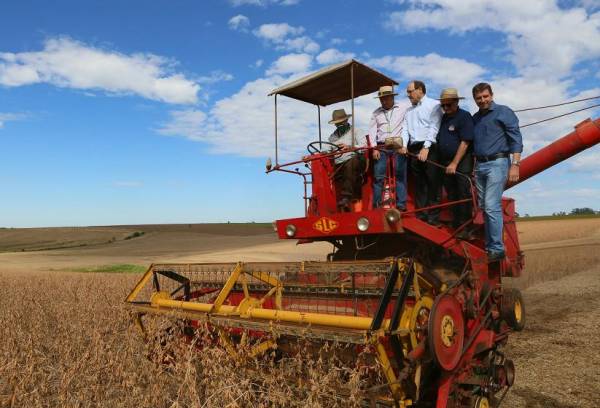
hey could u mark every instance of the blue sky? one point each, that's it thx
(157, 112)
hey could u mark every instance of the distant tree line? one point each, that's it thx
(578, 211)
(574, 211)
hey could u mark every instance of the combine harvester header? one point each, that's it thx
(425, 305)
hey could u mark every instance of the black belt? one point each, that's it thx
(493, 157)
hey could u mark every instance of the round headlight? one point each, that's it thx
(290, 230)
(362, 224)
(392, 216)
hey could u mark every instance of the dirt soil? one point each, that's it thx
(557, 356)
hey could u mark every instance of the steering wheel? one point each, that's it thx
(313, 149)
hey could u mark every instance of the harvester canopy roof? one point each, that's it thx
(333, 84)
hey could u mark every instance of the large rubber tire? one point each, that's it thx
(513, 309)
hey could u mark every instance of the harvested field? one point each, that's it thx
(68, 340)
(536, 232)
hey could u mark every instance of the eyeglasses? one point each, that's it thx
(446, 105)
(409, 91)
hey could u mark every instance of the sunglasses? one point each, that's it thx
(446, 105)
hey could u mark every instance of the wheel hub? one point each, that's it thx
(447, 331)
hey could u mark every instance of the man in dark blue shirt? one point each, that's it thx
(454, 139)
(497, 136)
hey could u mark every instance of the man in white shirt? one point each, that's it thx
(420, 128)
(347, 165)
(386, 123)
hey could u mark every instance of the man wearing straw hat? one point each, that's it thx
(420, 127)
(385, 130)
(454, 140)
(347, 165)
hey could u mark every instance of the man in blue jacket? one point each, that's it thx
(496, 138)
(454, 149)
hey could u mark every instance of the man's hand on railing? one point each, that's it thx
(451, 168)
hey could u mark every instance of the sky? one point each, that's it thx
(139, 112)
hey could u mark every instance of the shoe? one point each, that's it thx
(495, 256)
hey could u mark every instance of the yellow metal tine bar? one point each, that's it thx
(267, 295)
(262, 347)
(265, 277)
(388, 371)
(235, 274)
(322, 319)
(227, 343)
(245, 285)
(140, 284)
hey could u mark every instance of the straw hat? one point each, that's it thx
(450, 93)
(385, 91)
(338, 116)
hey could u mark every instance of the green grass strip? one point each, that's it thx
(114, 268)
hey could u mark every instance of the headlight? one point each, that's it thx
(362, 224)
(290, 230)
(392, 216)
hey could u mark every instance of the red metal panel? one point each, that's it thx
(338, 224)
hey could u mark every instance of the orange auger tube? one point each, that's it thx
(585, 135)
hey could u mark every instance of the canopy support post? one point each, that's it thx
(276, 153)
(352, 95)
(319, 114)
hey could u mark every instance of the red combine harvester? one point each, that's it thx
(430, 308)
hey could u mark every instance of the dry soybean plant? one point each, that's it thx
(69, 341)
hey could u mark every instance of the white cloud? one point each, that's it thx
(521, 92)
(332, 56)
(263, 3)
(71, 64)
(337, 41)
(257, 64)
(303, 44)
(214, 77)
(586, 162)
(286, 37)
(454, 72)
(188, 122)
(359, 41)
(277, 32)
(291, 64)
(239, 22)
(243, 124)
(8, 117)
(544, 38)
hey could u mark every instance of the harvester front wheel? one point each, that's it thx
(481, 402)
(513, 309)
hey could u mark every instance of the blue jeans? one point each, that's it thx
(490, 179)
(380, 172)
